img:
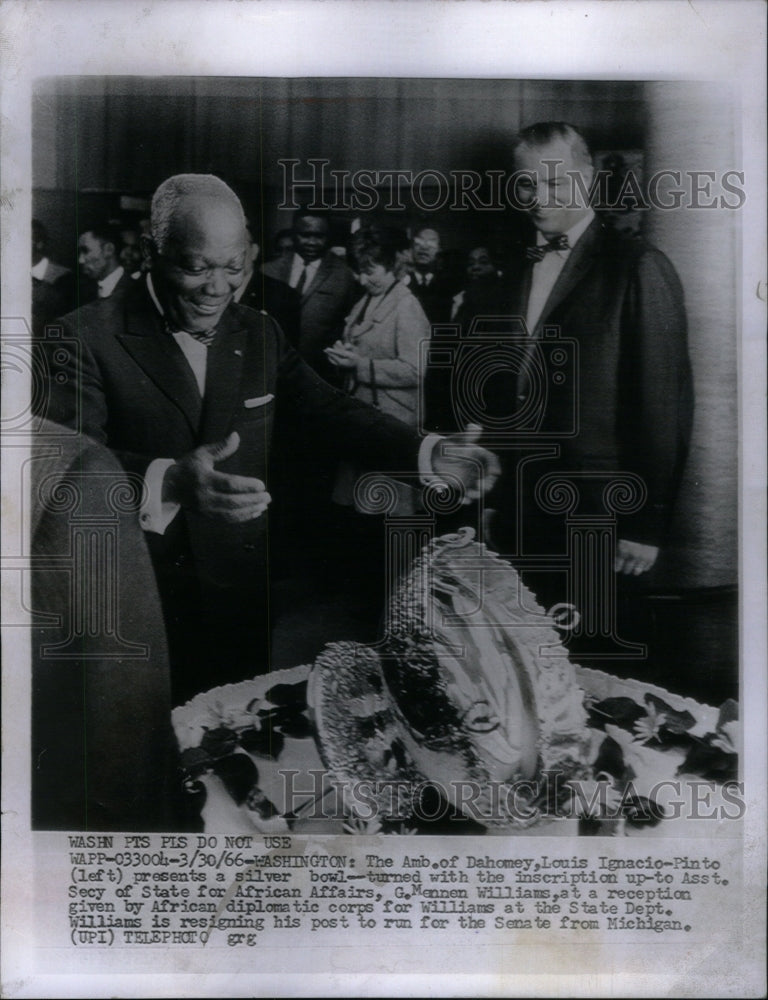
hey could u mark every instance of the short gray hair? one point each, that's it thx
(165, 201)
(543, 133)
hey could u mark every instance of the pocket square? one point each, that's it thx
(250, 404)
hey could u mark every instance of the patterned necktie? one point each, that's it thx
(536, 253)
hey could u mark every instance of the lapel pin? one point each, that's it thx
(238, 352)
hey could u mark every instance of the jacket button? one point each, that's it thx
(249, 547)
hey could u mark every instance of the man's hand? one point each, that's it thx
(634, 558)
(194, 483)
(461, 457)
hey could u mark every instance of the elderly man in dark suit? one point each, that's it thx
(325, 286)
(197, 394)
(597, 390)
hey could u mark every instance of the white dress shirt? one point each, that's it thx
(298, 266)
(38, 271)
(547, 270)
(107, 285)
(422, 279)
(154, 515)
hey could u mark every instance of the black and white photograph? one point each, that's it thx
(384, 502)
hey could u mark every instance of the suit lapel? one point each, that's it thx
(160, 357)
(223, 376)
(579, 261)
(519, 290)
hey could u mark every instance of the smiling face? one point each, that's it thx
(549, 193)
(311, 237)
(202, 264)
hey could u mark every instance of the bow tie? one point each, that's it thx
(536, 253)
(204, 336)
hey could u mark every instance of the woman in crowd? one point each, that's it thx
(379, 352)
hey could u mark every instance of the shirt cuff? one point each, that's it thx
(154, 515)
(426, 472)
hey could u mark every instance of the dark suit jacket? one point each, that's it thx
(436, 298)
(133, 390)
(278, 299)
(617, 396)
(103, 754)
(325, 304)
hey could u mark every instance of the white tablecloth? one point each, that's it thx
(226, 706)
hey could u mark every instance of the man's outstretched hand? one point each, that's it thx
(461, 457)
(194, 483)
(634, 558)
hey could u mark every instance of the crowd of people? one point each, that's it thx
(247, 396)
(109, 255)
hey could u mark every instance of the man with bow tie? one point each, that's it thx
(611, 401)
(196, 395)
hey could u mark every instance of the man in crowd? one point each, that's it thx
(260, 291)
(130, 255)
(98, 254)
(435, 289)
(196, 395)
(282, 245)
(602, 381)
(428, 280)
(324, 285)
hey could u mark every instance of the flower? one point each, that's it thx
(649, 726)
